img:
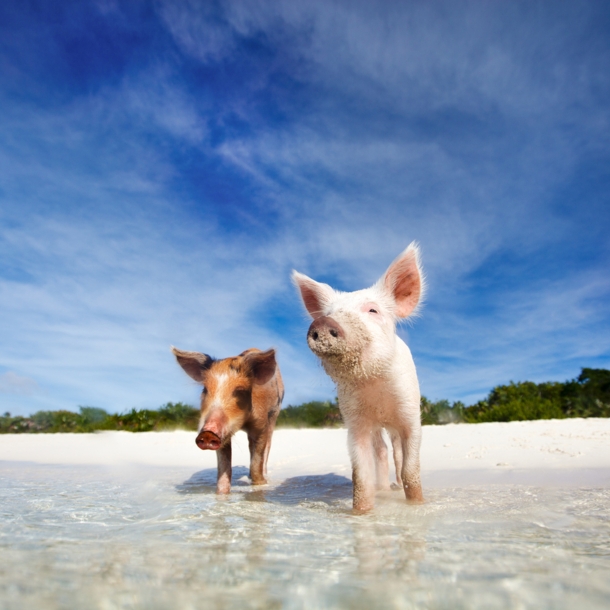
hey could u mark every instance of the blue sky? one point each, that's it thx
(164, 165)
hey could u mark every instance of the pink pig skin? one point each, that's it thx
(354, 335)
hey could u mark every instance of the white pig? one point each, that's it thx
(354, 335)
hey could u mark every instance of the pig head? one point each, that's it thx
(354, 335)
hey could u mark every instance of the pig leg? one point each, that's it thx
(267, 448)
(410, 475)
(397, 450)
(381, 461)
(257, 456)
(363, 468)
(223, 482)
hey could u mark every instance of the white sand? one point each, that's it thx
(563, 452)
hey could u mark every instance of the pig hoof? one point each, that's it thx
(414, 496)
(395, 487)
(259, 481)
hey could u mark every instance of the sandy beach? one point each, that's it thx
(559, 452)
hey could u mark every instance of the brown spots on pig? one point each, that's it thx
(239, 393)
(234, 365)
(229, 390)
(261, 365)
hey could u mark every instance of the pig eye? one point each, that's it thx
(373, 310)
(204, 390)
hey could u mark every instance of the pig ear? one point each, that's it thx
(262, 365)
(316, 296)
(193, 363)
(404, 281)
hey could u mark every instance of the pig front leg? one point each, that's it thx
(410, 473)
(363, 468)
(223, 456)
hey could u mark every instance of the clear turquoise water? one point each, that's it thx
(88, 537)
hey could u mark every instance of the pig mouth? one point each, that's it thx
(322, 346)
(208, 440)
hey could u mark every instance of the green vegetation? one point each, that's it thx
(89, 419)
(441, 412)
(586, 396)
(314, 414)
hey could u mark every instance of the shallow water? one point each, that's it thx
(86, 537)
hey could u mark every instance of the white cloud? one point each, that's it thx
(11, 383)
(544, 332)
(196, 29)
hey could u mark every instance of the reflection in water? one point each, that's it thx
(326, 488)
(388, 551)
(155, 538)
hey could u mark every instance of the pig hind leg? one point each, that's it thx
(258, 448)
(397, 455)
(381, 461)
(410, 472)
(268, 446)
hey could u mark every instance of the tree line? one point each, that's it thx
(586, 396)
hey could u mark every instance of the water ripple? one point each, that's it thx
(161, 538)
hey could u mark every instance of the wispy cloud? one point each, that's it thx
(11, 383)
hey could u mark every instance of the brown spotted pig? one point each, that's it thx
(240, 393)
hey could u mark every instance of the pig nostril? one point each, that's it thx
(333, 332)
(314, 335)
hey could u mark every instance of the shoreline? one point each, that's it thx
(554, 452)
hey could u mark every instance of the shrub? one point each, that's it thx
(178, 415)
(440, 412)
(588, 395)
(315, 414)
(169, 417)
(518, 402)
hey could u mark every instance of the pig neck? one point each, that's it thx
(374, 399)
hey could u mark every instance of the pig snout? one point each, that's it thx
(207, 439)
(325, 335)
